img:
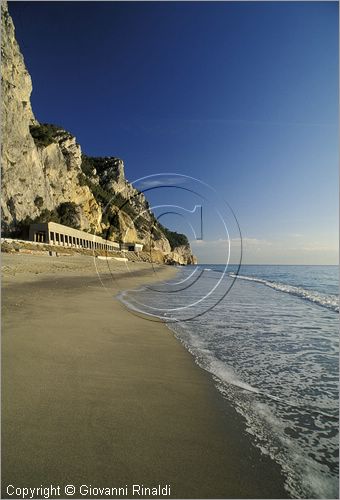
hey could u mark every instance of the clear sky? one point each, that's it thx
(243, 96)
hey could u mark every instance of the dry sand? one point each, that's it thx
(93, 395)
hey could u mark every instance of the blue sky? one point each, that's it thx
(243, 96)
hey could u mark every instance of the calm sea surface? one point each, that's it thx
(271, 344)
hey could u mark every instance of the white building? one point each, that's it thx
(57, 234)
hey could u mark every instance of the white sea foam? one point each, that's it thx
(224, 374)
(329, 301)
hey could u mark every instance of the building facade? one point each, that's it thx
(53, 233)
(57, 234)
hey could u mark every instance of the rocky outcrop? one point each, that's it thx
(180, 255)
(43, 170)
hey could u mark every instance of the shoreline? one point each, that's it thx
(95, 395)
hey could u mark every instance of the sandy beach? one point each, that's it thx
(94, 395)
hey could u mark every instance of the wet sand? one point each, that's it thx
(94, 395)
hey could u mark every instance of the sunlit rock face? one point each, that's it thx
(34, 177)
(43, 169)
(181, 255)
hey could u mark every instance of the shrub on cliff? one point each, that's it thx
(44, 133)
(87, 165)
(39, 201)
(68, 214)
(175, 239)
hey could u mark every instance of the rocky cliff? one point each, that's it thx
(45, 176)
(34, 177)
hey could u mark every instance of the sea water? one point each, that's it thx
(269, 338)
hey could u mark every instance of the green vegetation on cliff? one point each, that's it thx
(66, 213)
(91, 166)
(175, 239)
(44, 134)
(96, 166)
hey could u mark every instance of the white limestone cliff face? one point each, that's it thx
(39, 175)
(30, 173)
(138, 224)
(18, 155)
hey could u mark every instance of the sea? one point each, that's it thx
(269, 337)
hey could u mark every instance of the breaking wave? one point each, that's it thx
(329, 301)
